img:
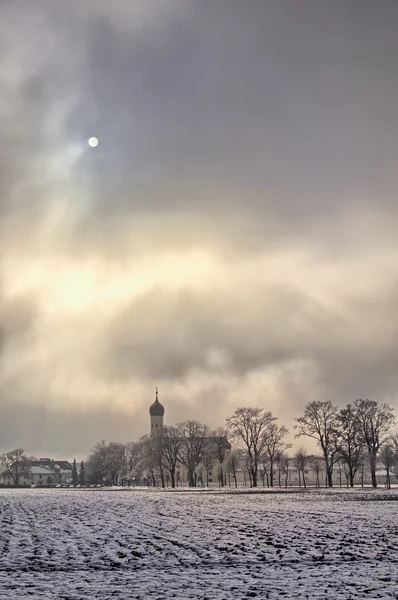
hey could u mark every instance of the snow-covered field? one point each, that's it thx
(75, 544)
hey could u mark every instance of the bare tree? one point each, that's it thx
(284, 464)
(171, 446)
(275, 443)
(340, 464)
(15, 464)
(249, 427)
(107, 463)
(316, 463)
(364, 460)
(134, 458)
(350, 440)
(278, 462)
(387, 457)
(319, 422)
(154, 456)
(394, 442)
(207, 463)
(233, 464)
(375, 421)
(221, 448)
(247, 469)
(95, 464)
(300, 461)
(263, 469)
(149, 461)
(115, 462)
(194, 444)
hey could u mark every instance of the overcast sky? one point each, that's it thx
(232, 239)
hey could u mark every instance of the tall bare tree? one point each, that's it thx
(387, 457)
(319, 422)
(233, 464)
(194, 444)
(275, 443)
(301, 461)
(134, 457)
(350, 441)
(115, 462)
(207, 463)
(171, 447)
(264, 469)
(283, 466)
(221, 448)
(376, 421)
(316, 463)
(249, 427)
(247, 469)
(95, 464)
(15, 464)
(154, 456)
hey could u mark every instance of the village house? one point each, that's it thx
(44, 471)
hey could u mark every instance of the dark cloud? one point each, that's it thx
(169, 334)
(288, 111)
(17, 321)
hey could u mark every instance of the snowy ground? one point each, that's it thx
(75, 544)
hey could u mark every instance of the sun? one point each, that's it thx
(93, 142)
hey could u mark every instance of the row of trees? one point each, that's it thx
(78, 478)
(347, 437)
(190, 444)
(260, 444)
(346, 434)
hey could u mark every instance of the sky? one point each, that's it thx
(232, 239)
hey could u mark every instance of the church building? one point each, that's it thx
(156, 415)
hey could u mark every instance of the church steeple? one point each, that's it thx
(156, 413)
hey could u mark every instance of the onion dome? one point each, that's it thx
(156, 409)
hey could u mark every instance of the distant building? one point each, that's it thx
(212, 475)
(44, 471)
(60, 471)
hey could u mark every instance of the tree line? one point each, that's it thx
(158, 457)
(347, 437)
(350, 433)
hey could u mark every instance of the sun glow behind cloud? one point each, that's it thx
(63, 286)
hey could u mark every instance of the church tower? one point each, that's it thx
(156, 413)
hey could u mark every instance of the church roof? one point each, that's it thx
(156, 409)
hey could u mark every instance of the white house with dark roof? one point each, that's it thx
(44, 471)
